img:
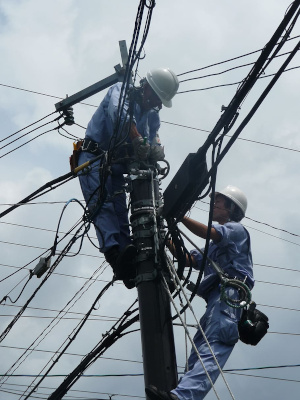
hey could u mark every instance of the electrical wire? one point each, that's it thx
(230, 69)
(27, 133)
(239, 138)
(259, 222)
(70, 340)
(82, 391)
(189, 337)
(231, 84)
(55, 320)
(229, 60)
(28, 126)
(114, 334)
(18, 147)
(48, 274)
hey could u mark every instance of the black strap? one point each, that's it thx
(91, 146)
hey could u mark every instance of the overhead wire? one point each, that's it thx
(229, 69)
(55, 320)
(82, 391)
(28, 126)
(258, 222)
(18, 147)
(107, 340)
(230, 59)
(68, 342)
(233, 83)
(27, 133)
(177, 282)
(253, 110)
(48, 274)
(239, 138)
(149, 21)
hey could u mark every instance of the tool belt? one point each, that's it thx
(91, 146)
(83, 145)
(253, 325)
(73, 159)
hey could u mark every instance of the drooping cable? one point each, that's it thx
(71, 339)
(189, 336)
(178, 282)
(108, 340)
(28, 126)
(254, 109)
(55, 320)
(48, 274)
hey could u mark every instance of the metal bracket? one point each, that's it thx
(98, 86)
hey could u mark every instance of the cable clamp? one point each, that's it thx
(143, 233)
(147, 276)
(142, 220)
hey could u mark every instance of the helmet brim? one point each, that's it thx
(166, 103)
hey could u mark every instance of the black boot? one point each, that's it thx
(156, 394)
(111, 257)
(126, 262)
(122, 263)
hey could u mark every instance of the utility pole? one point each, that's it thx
(157, 337)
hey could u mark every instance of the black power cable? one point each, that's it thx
(108, 340)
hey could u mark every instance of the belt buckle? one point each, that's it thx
(85, 145)
(96, 145)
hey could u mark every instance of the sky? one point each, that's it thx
(50, 49)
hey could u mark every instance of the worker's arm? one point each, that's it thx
(172, 249)
(200, 229)
(133, 133)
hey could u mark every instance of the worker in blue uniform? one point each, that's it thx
(230, 248)
(136, 127)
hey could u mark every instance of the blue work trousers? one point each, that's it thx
(220, 325)
(111, 217)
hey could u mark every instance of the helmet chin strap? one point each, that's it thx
(232, 207)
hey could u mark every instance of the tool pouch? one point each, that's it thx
(77, 148)
(253, 325)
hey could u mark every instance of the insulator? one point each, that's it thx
(69, 116)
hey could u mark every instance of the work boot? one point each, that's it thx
(111, 257)
(126, 262)
(156, 394)
(122, 263)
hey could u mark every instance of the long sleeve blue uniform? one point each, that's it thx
(111, 221)
(220, 321)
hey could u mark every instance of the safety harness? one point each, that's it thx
(253, 324)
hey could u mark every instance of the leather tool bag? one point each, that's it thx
(253, 325)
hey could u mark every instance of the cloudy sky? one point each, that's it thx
(53, 48)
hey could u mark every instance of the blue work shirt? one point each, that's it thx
(232, 253)
(101, 127)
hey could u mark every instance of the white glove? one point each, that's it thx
(141, 149)
(157, 153)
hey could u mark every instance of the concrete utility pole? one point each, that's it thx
(159, 358)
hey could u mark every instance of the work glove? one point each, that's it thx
(156, 153)
(141, 149)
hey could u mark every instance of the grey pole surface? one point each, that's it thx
(157, 336)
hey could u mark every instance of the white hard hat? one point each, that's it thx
(164, 83)
(236, 196)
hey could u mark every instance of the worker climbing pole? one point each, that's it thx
(154, 306)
